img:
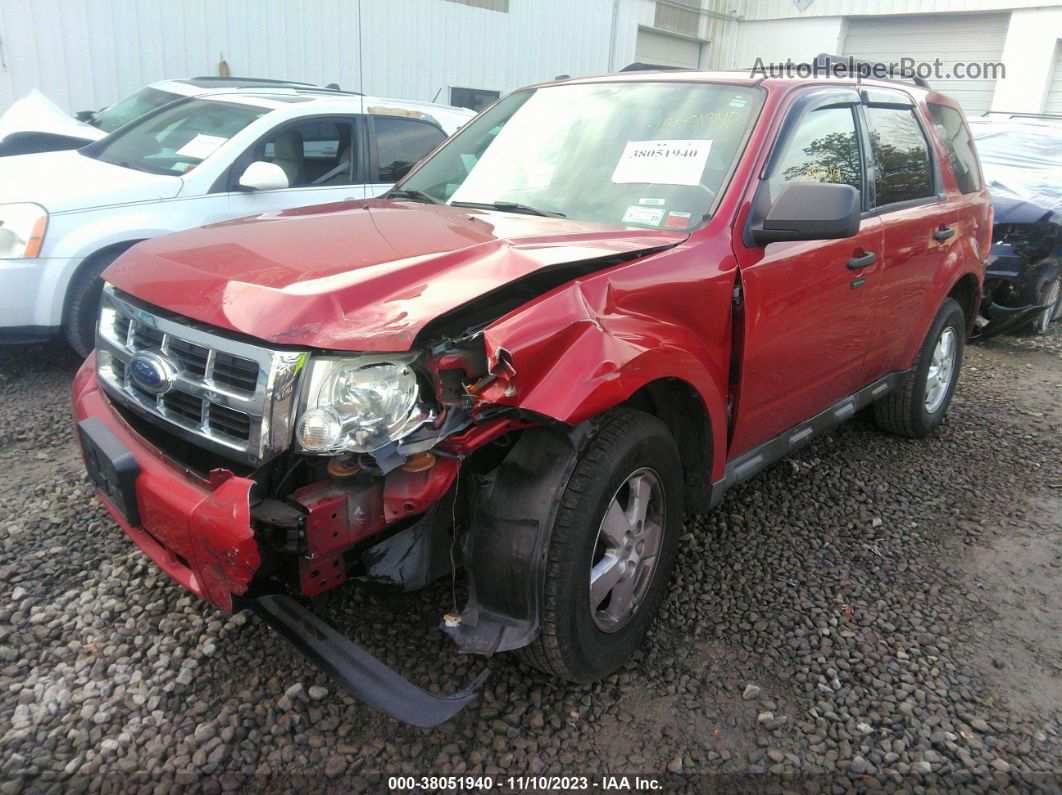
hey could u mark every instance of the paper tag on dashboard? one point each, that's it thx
(202, 146)
(643, 215)
(662, 162)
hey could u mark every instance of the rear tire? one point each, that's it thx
(918, 406)
(83, 303)
(631, 462)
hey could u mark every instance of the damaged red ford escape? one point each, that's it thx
(598, 306)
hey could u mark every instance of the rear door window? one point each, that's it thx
(902, 168)
(960, 147)
(402, 143)
(823, 148)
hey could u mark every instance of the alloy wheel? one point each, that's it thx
(941, 369)
(625, 555)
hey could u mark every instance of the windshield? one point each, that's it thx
(135, 105)
(652, 154)
(176, 139)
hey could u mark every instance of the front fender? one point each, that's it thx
(591, 344)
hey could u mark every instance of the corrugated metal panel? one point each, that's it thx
(88, 53)
(965, 38)
(663, 49)
(1053, 100)
(783, 9)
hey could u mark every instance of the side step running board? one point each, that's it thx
(355, 669)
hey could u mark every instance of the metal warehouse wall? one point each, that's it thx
(780, 9)
(88, 53)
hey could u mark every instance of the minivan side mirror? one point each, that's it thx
(810, 211)
(261, 175)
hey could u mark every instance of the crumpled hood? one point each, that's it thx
(365, 276)
(68, 180)
(36, 113)
(1017, 211)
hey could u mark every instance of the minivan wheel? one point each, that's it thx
(83, 303)
(611, 549)
(920, 403)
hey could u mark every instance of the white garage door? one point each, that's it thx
(1053, 103)
(965, 38)
(662, 49)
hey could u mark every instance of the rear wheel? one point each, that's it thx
(919, 405)
(83, 303)
(611, 549)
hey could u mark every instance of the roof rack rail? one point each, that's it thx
(266, 81)
(826, 61)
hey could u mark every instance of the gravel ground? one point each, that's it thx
(873, 612)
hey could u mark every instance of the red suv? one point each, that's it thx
(594, 309)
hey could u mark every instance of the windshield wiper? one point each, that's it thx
(510, 207)
(411, 195)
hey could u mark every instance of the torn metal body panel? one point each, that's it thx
(666, 316)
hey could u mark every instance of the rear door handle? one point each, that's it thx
(855, 263)
(943, 233)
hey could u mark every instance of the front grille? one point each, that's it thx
(223, 394)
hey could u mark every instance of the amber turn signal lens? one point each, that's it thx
(36, 239)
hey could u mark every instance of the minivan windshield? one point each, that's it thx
(176, 138)
(647, 154)
(132, 107)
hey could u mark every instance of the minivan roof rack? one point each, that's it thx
(246, 81)
(826, 60)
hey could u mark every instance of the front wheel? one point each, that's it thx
(611, 549)
(83, 304)
(922, 400)
(1049, 295)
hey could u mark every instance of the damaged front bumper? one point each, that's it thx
(201, 533)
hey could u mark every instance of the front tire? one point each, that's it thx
(611, 549)
(83, 303)
(921, 402)
(1046, 291)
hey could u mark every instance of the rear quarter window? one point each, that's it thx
(959, 145)
(901, 155)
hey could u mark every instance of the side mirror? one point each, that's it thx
(810, 211)
(261, 175)
(84, 115)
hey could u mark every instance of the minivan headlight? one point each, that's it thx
(359, 405)
(22, 228)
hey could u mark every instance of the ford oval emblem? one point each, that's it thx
(152, 373)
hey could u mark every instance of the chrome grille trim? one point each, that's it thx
(126, 329)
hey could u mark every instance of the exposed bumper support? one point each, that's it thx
(355, 669)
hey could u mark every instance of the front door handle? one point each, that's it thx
(943, 233)
(855, 263)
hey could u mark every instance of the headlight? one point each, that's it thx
(22, 230)
(359, 405)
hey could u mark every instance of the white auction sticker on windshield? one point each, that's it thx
(202, 146)
(662, 162)
(643, 215)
